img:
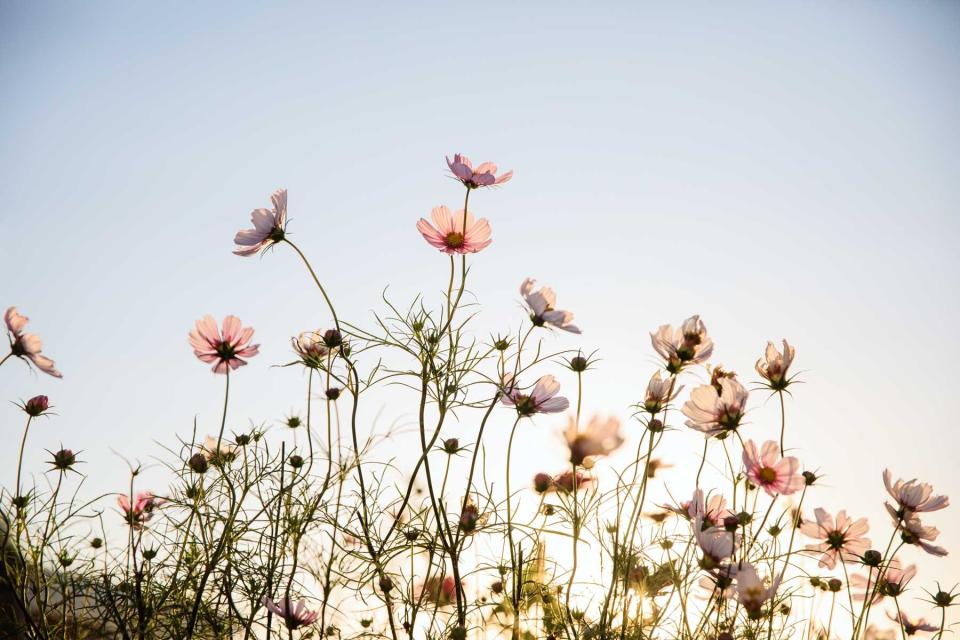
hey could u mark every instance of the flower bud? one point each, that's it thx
(451, 445)
(943, 599)
(579, 364)
(36, 406)
(501, 344)
(332, 393)
(834, 584)
(744, 518)
(242, 440)
(386, 584)
(96, 543)
(542, 482)
(730, 523)
(655, 425)
(332, 338)
(63, 459)
(411, 534)
(293, 422)
(872, 558)
(295, 461)
(459, 632)
(149, 554)
(497, 587)
(199, 463)
(810, 477)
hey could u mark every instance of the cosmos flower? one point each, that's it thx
(293, 616)
(716, 543)
(440, 591)
(27, 346)
(688, 344)
(269, 227)
(752, 591)
(542, 307)
(711, 511)
(482, 176)
(225, 453)
(449, 233)
(773, 367)
(912, 531)
(565, 482)
(312, 349)
(716, 413)
(541, 399)
(224, 351)
(912, 497)
(893, 583)
(659, 393)
(719, 582)
(140, 512)
(600, 437)
(912, 627)
(842, 538)
(777, 476)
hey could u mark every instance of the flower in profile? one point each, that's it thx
(269, 227)
(752, 591)
(714, 412)
(600, 437)
(541, 399)
(27, 346)
(293, 615)
(843, 538)
(717, 543)
(224, 351)
(912, 627)
(440, 591)
(567, 481)
(911, 497)
(777, 476)
(140, 512)
(217, 455)
(450, 233)
(709, 511)
(312, 349)
(893, 582)
(659, 393)
(541, 305)
(482, 176)
(688, 344)
(914, 532)
(774, 365)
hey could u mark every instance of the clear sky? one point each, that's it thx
(784, 169)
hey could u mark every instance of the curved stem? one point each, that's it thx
(23, 442)
(316, 280)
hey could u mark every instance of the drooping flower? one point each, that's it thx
(566, 481)
(912, 627)
(659, 393)
(482, 176)
(542, 307)
(843, 538)
(269, 227)
(600, 437)
(752, 591)
(777, 476)
(912, 531)
(688, 344)
(912, 496)
(293, 615)
(449, 234)
(774, 366)
(27, 346)
(312, 349)
(716, 413)
(717, 544)
(541, 399)
(140, 512)
(224, 351)
(893, 582)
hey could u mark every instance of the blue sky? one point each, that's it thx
(783, 169)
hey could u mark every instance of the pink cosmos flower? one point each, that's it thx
(716, 413)
(482, 176)
(27, 346)
(893, 583)
(912, 627)
(777, 476)
(912, 497)
(224, 351)
(659, 393)
(566, 481)
(912, 531)
(844, 538)
(688, 344)
(269, 227)
(141, 511)
(600, 437)
(773, 367)
(710, 511)
(541, 305)
(541, 399)
(449, 233)
(293, 616)
(441, 591)
(752, 591)
(716, 543)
